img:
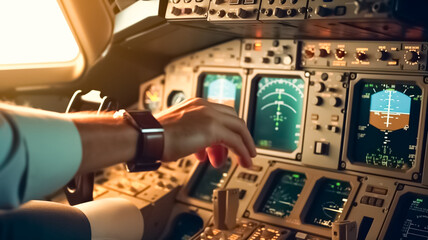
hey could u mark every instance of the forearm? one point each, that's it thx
(105, 140)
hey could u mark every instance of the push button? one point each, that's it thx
(321, 148)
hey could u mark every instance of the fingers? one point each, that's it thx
(201, 155)
(234, 142)
(217, 154)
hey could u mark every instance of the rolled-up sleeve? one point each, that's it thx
(40, 152)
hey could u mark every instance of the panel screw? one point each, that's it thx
(246, 214)
(353, 76)
(299, 156)
(426, 80)
(415, 176)
(342, 165)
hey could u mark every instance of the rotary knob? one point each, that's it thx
(199, 10)
(361, 56)
(322, 52)
(317, 101)
(319, 87)
(176, 11)
(221, 13)
(340, 53)
(323, 11)
(309, 53)
(242, 13)
(335, 102)
(382, 55)
(411, 56)
(280, 13)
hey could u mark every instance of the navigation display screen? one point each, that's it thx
(222, 88)
(387, 120)
(410, 221)
(328, 202)
(278, 113)
(209, 179)
(282, 193)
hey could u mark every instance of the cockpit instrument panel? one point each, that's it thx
(328, 202)
(224, 88)
(276, 119)
(284, 188)
(410, 219)
(386, 125)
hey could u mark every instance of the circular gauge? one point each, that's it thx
(278, 114)
(152, 98)
(176, 97)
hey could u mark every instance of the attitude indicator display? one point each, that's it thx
(223, 89)
(282, 193)
(411, 220)
(278, 113)
(328, 203)
(387, 120)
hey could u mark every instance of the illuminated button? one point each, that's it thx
(257, 46)
(309, 53)
(321, 148)
(361, 56)
(319, 87)
(379, 202)
(364, 200)
(393, 62)
(340, 53)
(334, 118)
(288, 59)
(314, 116)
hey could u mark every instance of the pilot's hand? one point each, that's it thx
(198, 126)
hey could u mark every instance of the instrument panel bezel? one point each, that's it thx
(296, 218)
(365, 168)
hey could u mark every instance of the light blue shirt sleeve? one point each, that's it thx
(42, 153)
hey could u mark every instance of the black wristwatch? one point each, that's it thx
(150, 142)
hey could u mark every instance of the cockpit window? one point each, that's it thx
(35, 32)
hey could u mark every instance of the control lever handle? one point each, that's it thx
(225, 205)
(344, 230)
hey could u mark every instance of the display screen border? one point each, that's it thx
(413, 173)
(249, 113)
(203, 71)
(402, 190)
(296, 218)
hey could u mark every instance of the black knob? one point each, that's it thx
(231, 15)
(360, 56)
(265, 60)
(322, 52)
(317, 101)
(247, 59)
(309, 53)
(187, 11)
(218, 2)
(319, 87)
(378, 7)
(221, 13)
(411, 56)
(291, 12)
(340, 53)
(270, 2)
(176, 11)
(242, 13)
(280, 13)
(199, 10)
(268, 12)
(294, 1)
(323, 11)
(302, 10)
(282, 1)
(382, 55)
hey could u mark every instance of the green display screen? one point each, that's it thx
(283, 190)
(222, 88)
(209, 179)
(328, 203)
(278, 113)
(385, 130)
(410, 220)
